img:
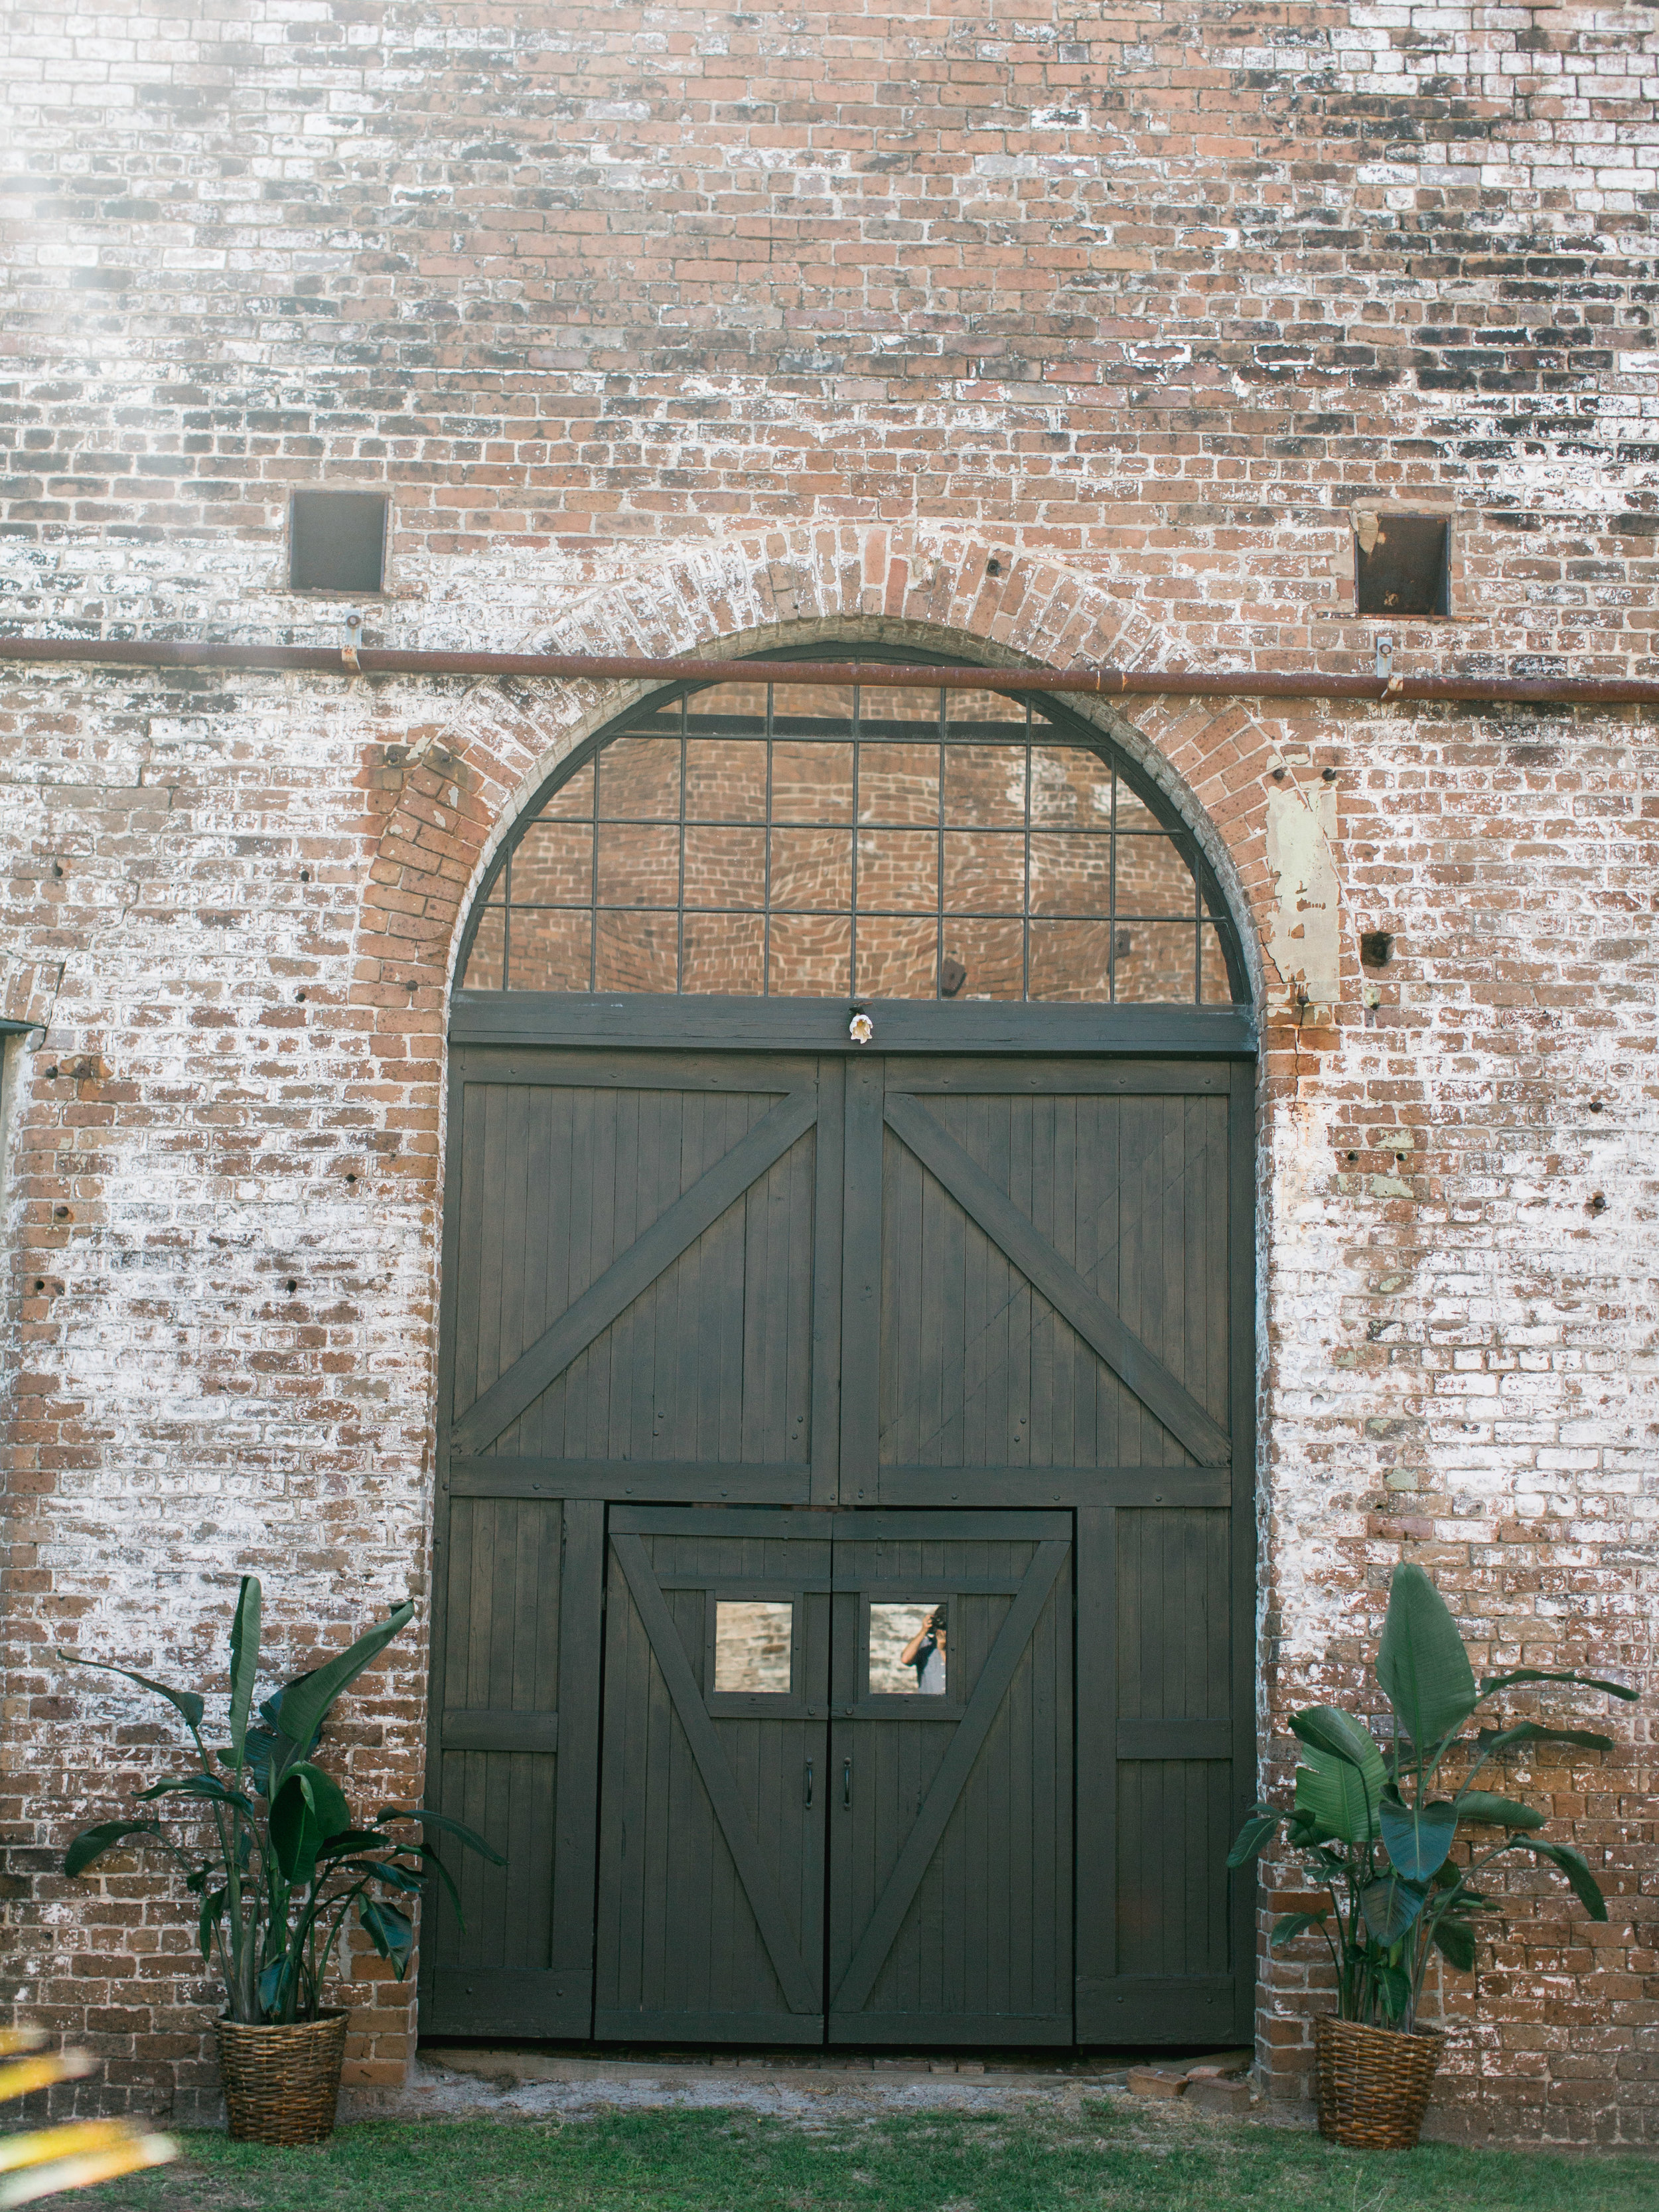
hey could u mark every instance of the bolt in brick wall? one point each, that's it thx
(1072, 334)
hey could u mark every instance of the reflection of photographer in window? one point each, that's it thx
(926, 1653)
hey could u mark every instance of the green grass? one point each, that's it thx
(1107, 2158)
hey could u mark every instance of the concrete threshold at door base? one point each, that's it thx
(523, 2084)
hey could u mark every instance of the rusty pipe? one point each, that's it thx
(1104, 683)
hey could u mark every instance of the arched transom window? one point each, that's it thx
(824, 842)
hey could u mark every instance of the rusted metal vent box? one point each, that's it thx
(1403, 563)
(337, 541)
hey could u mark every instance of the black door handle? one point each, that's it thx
(809, 1785)
(847, 1782)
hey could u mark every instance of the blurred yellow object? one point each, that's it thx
(77, 2154)
(126, 2156)
(25, 2075)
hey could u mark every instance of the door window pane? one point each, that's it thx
(553, 864)
(1153, 879)
(983, 960)
(640, 779)
(908, 1654)
(552, 948)
(898, 871)
(754, 1639)
(812, 783)
(724, 781)
(724, 952)
(638, 866)
(898, 958)
(810, 955)
(984, 871)
(483, 963)
(1155, 961)
(1070, 875)
(726, 868)
(1070, 789)
(636, 952)
(898, 783)
(985, 786)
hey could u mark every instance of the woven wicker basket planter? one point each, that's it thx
(282, 2083)
(1373, 2083)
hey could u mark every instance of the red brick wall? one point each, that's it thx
(1078, 336)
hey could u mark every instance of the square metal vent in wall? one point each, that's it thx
(1403, 563)
(337, 541)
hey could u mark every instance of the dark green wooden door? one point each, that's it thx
(746, 1723)
(1048, 1302)
(949, 1912)
(711, 1856)
(937, 1286)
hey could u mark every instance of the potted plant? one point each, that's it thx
(278, 1864)
(1378, 1840)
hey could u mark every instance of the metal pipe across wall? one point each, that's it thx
(1105, 683)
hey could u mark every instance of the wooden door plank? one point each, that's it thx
(1096, 1323)
(634, 1271)
(576, 1796)
(830, 1169)
(911, 1864)
(1096, 1579)
(798, 1983)
(861, 1302)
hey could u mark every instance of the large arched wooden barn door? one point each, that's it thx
(843, 1560)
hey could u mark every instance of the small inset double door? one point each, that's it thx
(837, 1796)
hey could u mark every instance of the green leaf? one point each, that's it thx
(305, 1701)
(213, 1907)
(194, 1785)
(92, 1842)
(1417, 1837)
(1333, 1793)
(1455, 1941)
(306, 1810)
(357, 1840)
(1493, 1683)
(1390, 1905)
(1573, 1864)
(469, 1836)
(274, 1986)
(1340, 1785)
(187, 1702)
(1394, 1986)
(1421, 1663)
(1254, 1838)
(434, 1865)
(1328, 1727)
(1289, 1925)
(392, 1932)
(1499, 1812)
(1492, 1740)
(396, 1877)
(244, 1663)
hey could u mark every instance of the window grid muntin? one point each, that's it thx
(1207, 918)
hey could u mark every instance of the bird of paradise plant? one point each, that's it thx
(284, 1863)
(1376, 1838)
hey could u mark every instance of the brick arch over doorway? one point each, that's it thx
(446, 792)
